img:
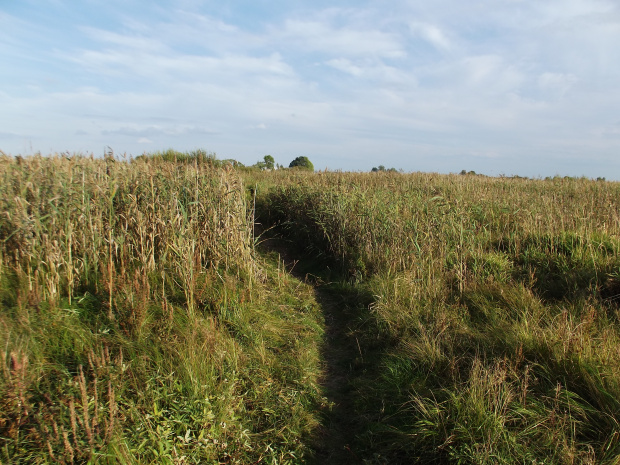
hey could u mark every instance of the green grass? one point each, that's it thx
(140, 323)
(493, 332)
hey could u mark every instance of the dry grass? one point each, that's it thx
(137, 323)
(497, 304)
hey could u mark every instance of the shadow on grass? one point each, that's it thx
(348, 359)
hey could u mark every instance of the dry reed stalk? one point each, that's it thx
(18, 382)
(73, 422)
(112, 407)
(84, 399)
(95, 425)
(69, 451)
(49, 449)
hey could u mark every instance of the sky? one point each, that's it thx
(500, 87)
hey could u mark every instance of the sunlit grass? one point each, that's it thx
(497, 301)
(138, 325)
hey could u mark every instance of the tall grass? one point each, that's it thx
(498, 304)
(138, 325)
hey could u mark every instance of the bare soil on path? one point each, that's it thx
(341, 356)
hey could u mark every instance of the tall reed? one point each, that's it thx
(496, 301)
(137, 324)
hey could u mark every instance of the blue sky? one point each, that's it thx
(495, 86)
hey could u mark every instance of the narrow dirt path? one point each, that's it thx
(335, 444)
(340, 354)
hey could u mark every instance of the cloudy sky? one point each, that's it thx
(525, 87)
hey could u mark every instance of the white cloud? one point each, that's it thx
(491, 73)
(338, 32)
(387, 77)
(143, 43)
(439, 86)
(175, 130)
(161, 66)
(4, 135)
(431, 33)
(346, 66)
(556, 84)
(608, 131)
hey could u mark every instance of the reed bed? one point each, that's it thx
(137, 325)
(493, 332)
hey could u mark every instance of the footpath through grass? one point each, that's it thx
(492, 332)
(440, 319)
(342, 361)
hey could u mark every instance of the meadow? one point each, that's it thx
(487, 311)
(143, 320)
(138, 324)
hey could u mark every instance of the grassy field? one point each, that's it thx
(137, 323)
(142, 322)
(492, 330)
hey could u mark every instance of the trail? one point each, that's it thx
(336, 440)
(341, 357)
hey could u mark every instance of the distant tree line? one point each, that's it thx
(382, 168)
(269, 163)
(203, 157)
